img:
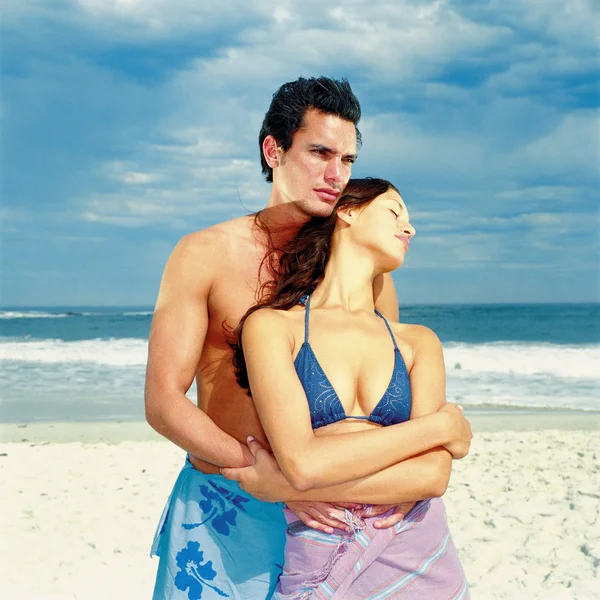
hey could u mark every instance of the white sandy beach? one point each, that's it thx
(80, 503)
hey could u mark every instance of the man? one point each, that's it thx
(214, 540)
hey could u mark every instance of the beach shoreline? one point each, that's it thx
(114, 432)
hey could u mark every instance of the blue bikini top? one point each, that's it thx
(323, 401)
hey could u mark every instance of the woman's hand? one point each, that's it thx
(376, 510)
(459, 431)
(322, 516)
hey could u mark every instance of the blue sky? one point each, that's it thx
(127, 124)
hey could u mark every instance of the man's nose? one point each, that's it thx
(333, 172)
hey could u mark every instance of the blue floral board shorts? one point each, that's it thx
(216, 541)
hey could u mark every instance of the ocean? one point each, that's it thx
(87, 364)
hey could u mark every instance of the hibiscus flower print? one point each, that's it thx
(194, 572)
(214, 506)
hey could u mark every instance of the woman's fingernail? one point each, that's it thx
(249, 439)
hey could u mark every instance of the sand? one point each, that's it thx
(80, 502)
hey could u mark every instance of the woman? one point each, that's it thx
(317, 358)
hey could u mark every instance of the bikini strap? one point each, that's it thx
(388, 328)
(305, 300)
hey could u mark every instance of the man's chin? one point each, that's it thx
(320, 209)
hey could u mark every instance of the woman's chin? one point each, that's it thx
(392, 263)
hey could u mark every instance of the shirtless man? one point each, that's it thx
(214, 540)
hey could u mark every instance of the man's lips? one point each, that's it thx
(404, 239)
(328, 194)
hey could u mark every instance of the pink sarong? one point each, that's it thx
(414, 560)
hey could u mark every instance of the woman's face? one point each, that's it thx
(383, 226)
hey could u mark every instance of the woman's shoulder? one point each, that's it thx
(272, 318)
(264, 316)
(271, 328)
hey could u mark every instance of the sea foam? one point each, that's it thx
(524, 359)
(114, 352)
(501, 358)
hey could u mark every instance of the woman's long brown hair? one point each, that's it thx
(300, 264)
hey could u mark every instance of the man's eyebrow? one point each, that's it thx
(330, 150)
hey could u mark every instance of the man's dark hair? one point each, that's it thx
(291, 102)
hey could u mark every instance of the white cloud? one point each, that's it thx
(197, 192)
(455, 239)
(126, 172)
(135, 177)
(572, 148)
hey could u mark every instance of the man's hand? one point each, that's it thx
(263, 479)
(400, 511)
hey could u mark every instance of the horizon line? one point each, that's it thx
(400, 305)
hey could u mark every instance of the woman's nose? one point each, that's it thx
(408, 230)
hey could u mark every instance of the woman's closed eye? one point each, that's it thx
(394, 213)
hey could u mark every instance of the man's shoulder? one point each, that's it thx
(240, 225)
(416, 335)
(218, 236)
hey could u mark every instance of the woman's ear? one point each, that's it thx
(271, 151)
(347, 214)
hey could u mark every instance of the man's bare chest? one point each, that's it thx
(232, 294)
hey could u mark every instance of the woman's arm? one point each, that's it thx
(424, 476)
(415, 478)
(308, 461)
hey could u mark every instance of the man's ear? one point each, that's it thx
(271, 151)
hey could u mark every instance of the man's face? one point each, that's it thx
(317, 167)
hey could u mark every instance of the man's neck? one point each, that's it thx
(280, 223)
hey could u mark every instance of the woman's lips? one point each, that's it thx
(404, 239)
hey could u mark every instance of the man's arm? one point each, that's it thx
(177, 337)
(384, 294)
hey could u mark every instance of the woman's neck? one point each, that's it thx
(347, 283)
